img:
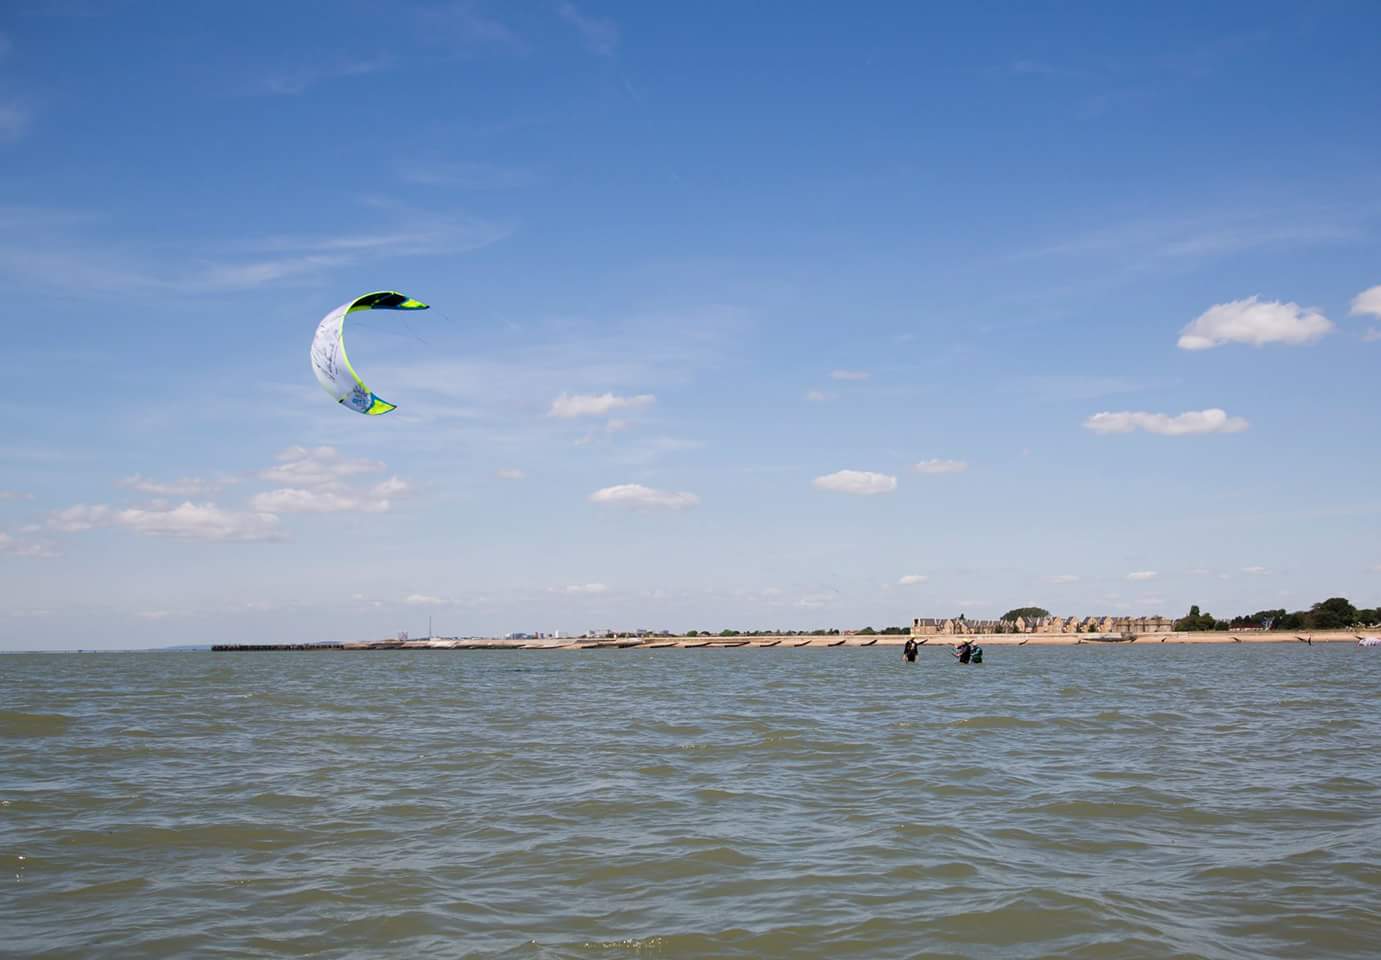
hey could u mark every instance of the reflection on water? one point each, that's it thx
(1076, 802)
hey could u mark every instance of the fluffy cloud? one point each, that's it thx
(422, 600)
(1193, 422)
(206, 521)
(1255, 322)
(637, 495)
(859, 482)
(913, 579)
(510, 473)
(1142, 575)
(940, 466)
(570, 405)
(1367, 303)
(849, 375)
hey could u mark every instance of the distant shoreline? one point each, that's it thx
(815, 641)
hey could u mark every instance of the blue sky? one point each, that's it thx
(740, 318)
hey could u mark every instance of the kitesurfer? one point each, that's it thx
(963, 650)
(908, 650)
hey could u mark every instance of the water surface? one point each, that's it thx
(1081, 802)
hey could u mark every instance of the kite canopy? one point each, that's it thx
(331, 365)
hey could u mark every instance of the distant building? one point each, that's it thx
(931, 627)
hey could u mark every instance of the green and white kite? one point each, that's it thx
(331, 365)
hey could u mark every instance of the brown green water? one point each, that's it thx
(1078, 802)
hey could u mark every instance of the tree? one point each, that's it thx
(1028, 613)
(867, 632)
(1196, 621)
(1332, 614)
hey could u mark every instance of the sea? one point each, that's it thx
(1088, 802)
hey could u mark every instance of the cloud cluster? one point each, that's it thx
(1255, 322)
(316, 478)
(186, 521)
(637, 495)
(568, 406)
(858, 482)
(913, 579)
(1185, 424)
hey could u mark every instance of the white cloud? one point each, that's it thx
(1254, 322)
(859, 482)
(586, 589)
(637, 495)
(331, 498)
(818, 396)
(422, 600)
(1192, 422)
(849, 375)
(1372, 335)
(316, 467)
(1142, 575)
(913, 579)
(21, 548)
(183, 487)
(600, 35)
(940, 466)
(1255, 571)
(1063, 578)
(510, 473)
(206, 521)
(568, 405)
(1367, 303)
(80, 517)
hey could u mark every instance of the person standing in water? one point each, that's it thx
(963, 650)
(908, 650)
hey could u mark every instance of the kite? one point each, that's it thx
(331, 365)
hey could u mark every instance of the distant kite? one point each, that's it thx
(331, 365)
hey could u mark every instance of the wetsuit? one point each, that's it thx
(909, 651)
(964, 652)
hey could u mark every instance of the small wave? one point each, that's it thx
(995, 723)
(16, 724)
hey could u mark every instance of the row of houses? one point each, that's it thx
(925, 626)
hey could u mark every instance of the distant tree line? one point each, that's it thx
(1335, 613)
